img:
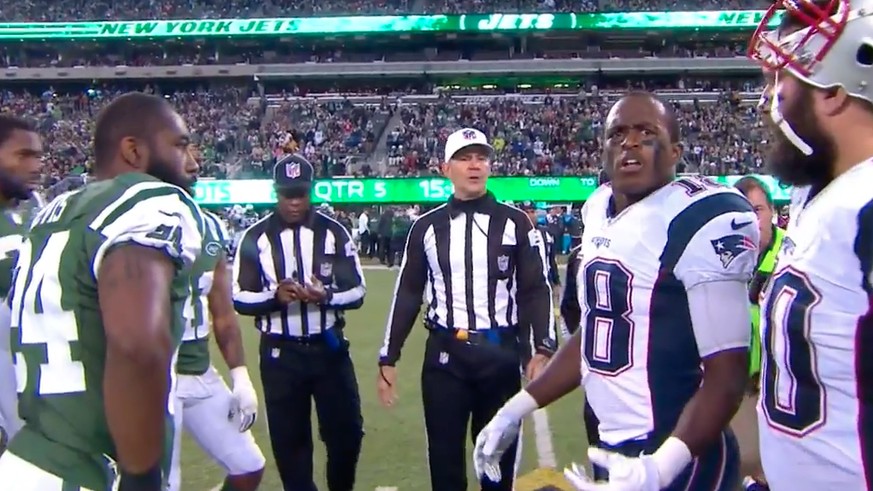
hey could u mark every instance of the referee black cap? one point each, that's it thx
(293, 172)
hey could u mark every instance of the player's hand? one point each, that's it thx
(625, 473)
(244, 405)
(535, 366)
(288, 292)
(492, 442)
(386, 384)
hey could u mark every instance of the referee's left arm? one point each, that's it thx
(349, 286)
(534, 293)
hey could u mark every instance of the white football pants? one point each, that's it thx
(202, 406)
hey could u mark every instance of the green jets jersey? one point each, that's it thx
(58, 337)
(11, 229)
(194, 352)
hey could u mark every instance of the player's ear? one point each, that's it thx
(133, 151)
(831, 101)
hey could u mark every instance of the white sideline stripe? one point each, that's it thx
(385, 488)
(543, 437)
(217, 488)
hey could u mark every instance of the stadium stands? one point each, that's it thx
(239, 138)
(71, 10)
(561, 137)
(224, 126)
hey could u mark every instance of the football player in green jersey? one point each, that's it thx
(97, 297)
(218, 418)
(20, 166)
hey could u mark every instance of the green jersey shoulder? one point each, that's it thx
(57, 332)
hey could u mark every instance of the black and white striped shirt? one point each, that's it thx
(477, 265)
(270, 251)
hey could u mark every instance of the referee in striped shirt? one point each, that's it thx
(296, 271)
(480, 266)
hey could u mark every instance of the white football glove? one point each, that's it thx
(491, 443)
(499, 433)
(644, 473)
(625, 473)
(244, 404)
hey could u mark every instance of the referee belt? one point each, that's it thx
(332, 338)
(494, 335)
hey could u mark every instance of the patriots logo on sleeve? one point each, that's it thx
(730, 247)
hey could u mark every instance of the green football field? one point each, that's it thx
(394, 454)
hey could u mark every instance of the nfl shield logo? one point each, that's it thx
(444, 358)
(469, 135)
(502, 263)
(292, 170)
(326, 269)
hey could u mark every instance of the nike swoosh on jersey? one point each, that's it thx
(737, 226)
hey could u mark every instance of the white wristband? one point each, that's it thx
(671, 458)
(240, 375)
(520, 405)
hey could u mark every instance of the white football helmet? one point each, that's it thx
(834, 48)
(828, 43)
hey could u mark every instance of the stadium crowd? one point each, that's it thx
(73, 10)
(561, 136)
(238, 138)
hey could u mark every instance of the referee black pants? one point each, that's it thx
(464, 385)
(294, 374)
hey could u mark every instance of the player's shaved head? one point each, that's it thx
(143, 133)
(135, 114)
(670, 119)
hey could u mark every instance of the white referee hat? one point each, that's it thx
(464, 138)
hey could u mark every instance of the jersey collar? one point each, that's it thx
(483, 204)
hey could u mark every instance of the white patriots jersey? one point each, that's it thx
(816, 408)
(640, 359)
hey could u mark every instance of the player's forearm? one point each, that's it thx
(136, 385)
(229, 340)
(712, 408)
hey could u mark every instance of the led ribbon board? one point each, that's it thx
(422, 190)
(292, 26)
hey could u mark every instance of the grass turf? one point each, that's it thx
(393, 454)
